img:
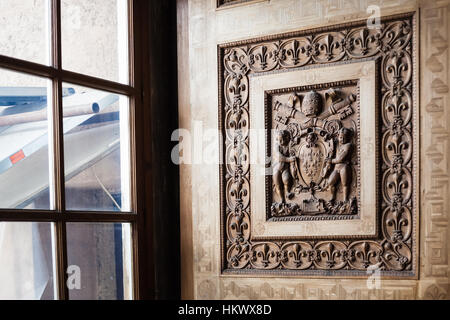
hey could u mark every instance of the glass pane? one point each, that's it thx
(26, 261)
(25, 30)
(24, 155)
(99, 259)
(96, 151)
(95, 38)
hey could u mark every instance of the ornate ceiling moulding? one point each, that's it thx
(335, 193)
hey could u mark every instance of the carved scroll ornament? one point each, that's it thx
(330, 148)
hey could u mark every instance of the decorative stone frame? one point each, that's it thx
(394, 251)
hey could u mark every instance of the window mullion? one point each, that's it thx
(135, 108)
(61, 245)
(58, 151)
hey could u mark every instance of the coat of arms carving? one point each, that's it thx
(314, 134)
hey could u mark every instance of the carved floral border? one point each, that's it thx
(394, 252)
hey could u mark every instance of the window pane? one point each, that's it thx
(96, 151)
(26, 261)
(24, 155)
(25, 30)
(95, 38)
(99, 254)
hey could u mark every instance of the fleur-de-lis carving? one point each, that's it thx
(239, 156)
(397, 185)
(236, 87)
(330, 254)
(328, 46)
(294, 51)
(434, 293)
(237, 64)
(397, 105)
(365, 253)
(239, 225)
(397, 222)
(393, 38)
(238, 192)
(262, 57)
(296, 253)
(364, 40)
(265, 255)
(396, 146)
(396, 66)
(237, 121)
(242, 253)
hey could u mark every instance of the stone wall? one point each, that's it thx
(201, 28)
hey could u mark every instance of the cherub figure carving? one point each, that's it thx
(342, 169)
(284, 169)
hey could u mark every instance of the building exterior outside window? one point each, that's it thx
(65, 150)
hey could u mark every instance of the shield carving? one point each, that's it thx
(312, 160)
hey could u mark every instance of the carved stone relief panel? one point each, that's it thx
(314, 137)
(314, 141)
(312, 196)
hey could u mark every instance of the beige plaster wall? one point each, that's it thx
(201, 27)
